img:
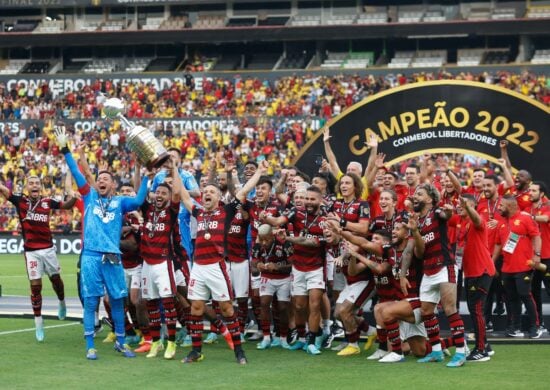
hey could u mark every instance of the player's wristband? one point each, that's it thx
(343, 223)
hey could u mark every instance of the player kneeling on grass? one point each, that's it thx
(271, 257)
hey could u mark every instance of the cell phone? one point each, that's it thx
(319, 159)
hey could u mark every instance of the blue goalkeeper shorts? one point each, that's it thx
(97, 275)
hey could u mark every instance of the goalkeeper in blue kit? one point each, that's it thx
(101, 268)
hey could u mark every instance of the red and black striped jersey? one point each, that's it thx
(414, 273)
(307, 258)
(387, 285)
(365, 275)
(237, 248)
(437, 252)
(353, 211)
(35, 220)
(381, 223)
(130, 258)
(157, 232)
(272, 208)
(212, 229)
(278, 253)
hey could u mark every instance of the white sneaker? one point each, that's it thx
(392, 357)
(340, 346)
(378, 354)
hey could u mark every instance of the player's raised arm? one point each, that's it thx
(177, 185)
(62, 141)
(250, 184)
(186, 199)
(331, 157)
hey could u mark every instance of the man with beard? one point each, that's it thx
(540, 212)
(271, 258)
(209, 276)
(308, 263)
(519, 243)
(101, 268)
(439, 279)
(34, 213)
(521, 190)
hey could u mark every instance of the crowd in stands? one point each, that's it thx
(274, 133)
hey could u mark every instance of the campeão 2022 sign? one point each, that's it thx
(441, 117)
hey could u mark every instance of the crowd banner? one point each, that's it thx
(448, 116)
(64, 244)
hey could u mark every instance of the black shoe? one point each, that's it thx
(535, 333)
(292, 336)
(489, 327)
(328, 341)
(107, 321)
(193, 357)
(515, 333)
(499, 309)
(478, 356)
(241, 358)
(489, 349)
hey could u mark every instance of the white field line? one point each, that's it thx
(32, 329)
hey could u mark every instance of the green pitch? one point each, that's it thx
(59, 362)
(14, 281)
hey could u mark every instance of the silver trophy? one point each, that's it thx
(149, 151)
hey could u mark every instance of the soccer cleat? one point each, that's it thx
(255, 336)
(350, 350)
(91, 354)
(241, 358)
(392, 357)
(180, 335)
(111, 338)
(320, 340)
(284, 344)
(458, 360)
(298, 345)
(340, 346)
(211, 338)
(265, 344)
(515, 333)
(371, 336)
(328, 342)
(311, 349)
(489, 350)
(187, 341)
(277, 342)
(39, 333)
(447, 352)
(156, 346)
(229, 340)
(292, 336)
(145, 347)
(170, 350)
(193, 357)
(378, 354)
(62, 310)
(132, 340)
(535, 333)
(478, 356)
(124, 350)
(489, 327)
(434, 356)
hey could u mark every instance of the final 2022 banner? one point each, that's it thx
(440, 117)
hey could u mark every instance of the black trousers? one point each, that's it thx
(476, 295)
(496, 292)
(536, 286)
(518, 290)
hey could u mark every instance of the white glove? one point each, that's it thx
(61, 136)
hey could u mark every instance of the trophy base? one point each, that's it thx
(158, 162)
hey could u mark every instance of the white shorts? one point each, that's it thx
(339, 282)
(133, 277)
(302, 282)
(281, 287)
(210, 280)
(157, 280)
(408, 330)
(255, 282)
(357, 293)
(239, 273)
(179, 278)
(430, 286)
(330, 268)
(40, 262)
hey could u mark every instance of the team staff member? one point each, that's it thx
(101, 267)
(520, 243)
(478, 268)
(34, 216)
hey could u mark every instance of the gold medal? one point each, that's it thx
(207, 236)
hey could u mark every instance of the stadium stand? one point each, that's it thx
(14, 66)
(50, 27)
(372, 18)
(469, 57)
(541, 57)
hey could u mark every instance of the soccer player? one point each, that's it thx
(101, 267)
(439, 280)
(34, 213)
(478, 267)
(271, 258)
(209, 275)
(519, 242)
(540, 212)
(308, 263)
